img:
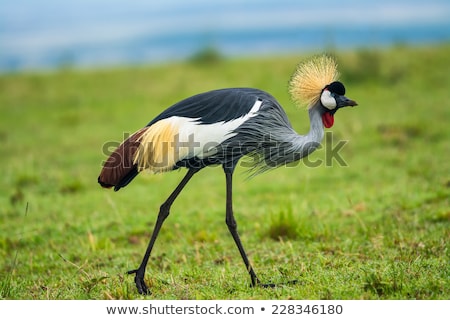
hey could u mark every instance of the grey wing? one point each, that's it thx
(215, 106)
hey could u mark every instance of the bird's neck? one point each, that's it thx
(305, 144)
(316, 130)
(288, 145)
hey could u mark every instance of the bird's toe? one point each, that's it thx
(267, 285)
(141, 286)
(140, 282)
(274, 285)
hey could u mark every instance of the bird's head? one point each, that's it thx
(315, 84)
(331, 99)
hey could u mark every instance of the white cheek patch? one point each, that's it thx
(328, 100)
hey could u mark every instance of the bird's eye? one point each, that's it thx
(327, 99)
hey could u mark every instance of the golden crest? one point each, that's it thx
(310, 78)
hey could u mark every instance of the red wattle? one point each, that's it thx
(328, 120)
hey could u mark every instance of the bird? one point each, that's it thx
(218, 128)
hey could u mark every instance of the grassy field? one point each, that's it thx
(376, 227)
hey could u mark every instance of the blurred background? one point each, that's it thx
(76, 77)
(49, 33)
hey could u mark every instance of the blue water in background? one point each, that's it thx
(47, 34)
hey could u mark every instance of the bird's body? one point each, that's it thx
(218, 128)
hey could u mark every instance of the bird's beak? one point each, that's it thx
(343, 101)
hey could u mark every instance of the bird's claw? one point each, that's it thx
(139, 281)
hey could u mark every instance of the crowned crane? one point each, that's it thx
(220, 127)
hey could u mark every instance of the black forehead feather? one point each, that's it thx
(336, 87)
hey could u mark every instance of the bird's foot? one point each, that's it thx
(257, 283)
(139, 281)
(266, 285)
(272, 285)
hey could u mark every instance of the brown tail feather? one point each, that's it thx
(120, 162)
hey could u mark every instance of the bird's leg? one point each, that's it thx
(232, 226)
(163, 214)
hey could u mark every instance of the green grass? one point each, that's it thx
(377, 228)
